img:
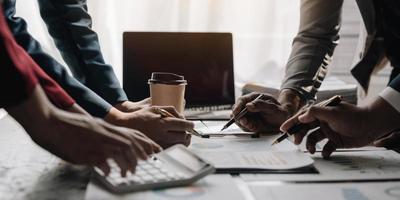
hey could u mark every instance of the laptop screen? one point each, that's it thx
(205, 59)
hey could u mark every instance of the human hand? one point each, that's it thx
(345, 126)
(265, 114)
(79, 138)
(390, 141)
(84, 140)
(130, 106)
(164, 131)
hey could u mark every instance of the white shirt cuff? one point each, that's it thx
(391, 96)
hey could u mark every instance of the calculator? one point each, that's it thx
(175, 166)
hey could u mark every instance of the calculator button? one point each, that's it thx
(164, 170)
(147, 178)
(170, 174)
(112, 181)
(114, 175)
(161, 177)
(120, 181)
(157, 165)
(153, 171)
(135, 179)
(181, 175)
(115, 169)
(140, 172)
(146, 166)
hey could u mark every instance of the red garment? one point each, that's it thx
(19, 74)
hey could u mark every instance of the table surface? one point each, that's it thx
(29, 172)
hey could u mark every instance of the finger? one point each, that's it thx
(390, 141)
(174, 124)
(149, 146)
(187, 139)
(131, 157)
(104, 168)
(242, 123)
(384, 141)
(298, 137)
(328, 149)
(141, 149)
(157, 148)
(242, 101)
(114, 139)
(172, 110)
(312, 140)
(317, 113)
(247, 124)
(332, 135)
(289, 123)
(262, 106)
(120, 157)
(130, 135)
(138, 144)
(143, 145)
(177, 137)
(122, 162)
(270, 98)
(146, 101)
(154, 146)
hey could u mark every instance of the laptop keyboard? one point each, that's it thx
(209, 108)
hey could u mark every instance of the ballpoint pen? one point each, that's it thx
(333, 101)
(164, 113)
(243, 112)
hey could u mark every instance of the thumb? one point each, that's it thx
(316, 113)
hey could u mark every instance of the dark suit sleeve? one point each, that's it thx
(395, 84)
(69, 24)
(86, 98)
(20, 74)
(313, 45)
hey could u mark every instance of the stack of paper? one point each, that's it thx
(331, 191)
(244, 155)
(213, 129)
(330, 87)
(344, 166)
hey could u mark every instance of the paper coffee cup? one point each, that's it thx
(168, 89)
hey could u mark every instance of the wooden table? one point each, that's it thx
(29, 172)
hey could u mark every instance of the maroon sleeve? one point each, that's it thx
(19, 74)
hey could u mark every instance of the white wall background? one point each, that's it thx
(263, 29)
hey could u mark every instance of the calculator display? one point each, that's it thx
(186, 159)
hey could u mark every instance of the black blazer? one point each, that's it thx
(95, 86)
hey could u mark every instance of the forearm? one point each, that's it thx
(313, 46)
(33, 112)
(89, 100)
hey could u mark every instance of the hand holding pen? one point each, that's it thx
(164, 113)
(260, 113)
(333, 101)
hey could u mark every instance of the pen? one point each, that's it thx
(333, 101)
(240, 115)
(165, 113)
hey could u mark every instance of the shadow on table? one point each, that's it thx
(64, 181)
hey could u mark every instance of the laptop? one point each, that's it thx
(205, 59)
